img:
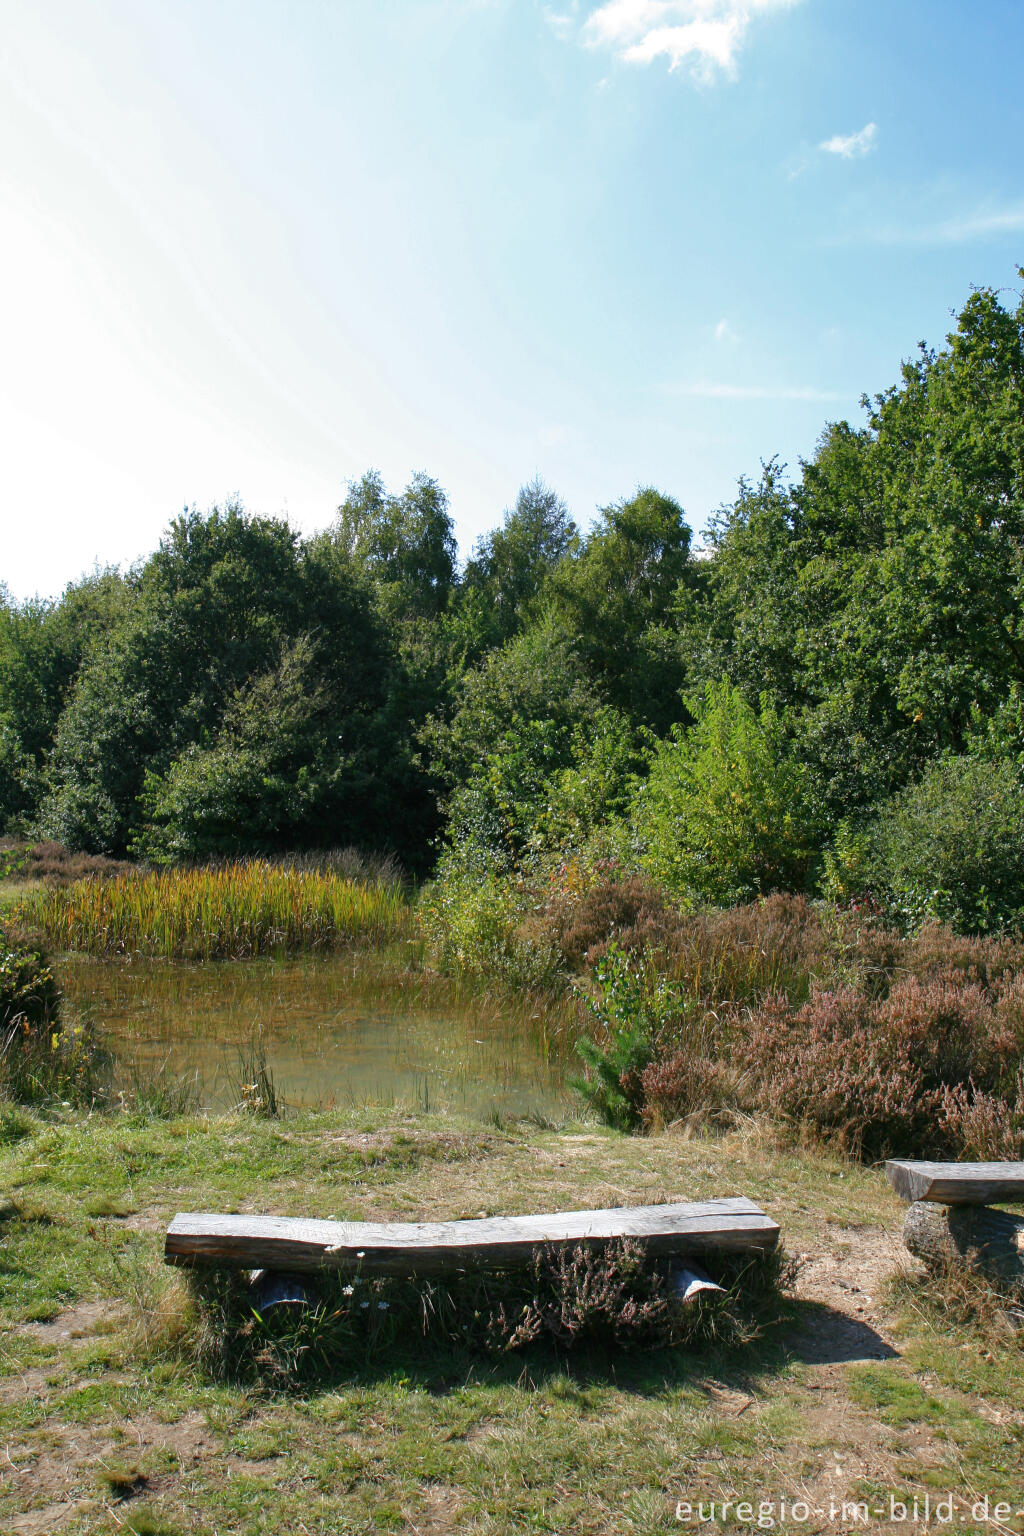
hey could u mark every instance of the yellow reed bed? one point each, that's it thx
(221, 913)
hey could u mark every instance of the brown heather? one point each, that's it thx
(892, 1077)
(825, 1019)
(627, 911)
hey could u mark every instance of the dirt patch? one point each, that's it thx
(484, 1432)
(39, 1522)
(440, 1513)
(844, 1279)
(187, 1439)
(268, 1467)
(77, 1322)
(25, 1384)
(57, 1473)
(143, 1221)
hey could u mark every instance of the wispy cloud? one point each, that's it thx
(703, 389)
(983, 224)
(706, 34)
(563, 22)
(852, 146)
(724, 332)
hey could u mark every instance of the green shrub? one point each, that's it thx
(638, 1012)
(723, 814)
(41, 1059)
(951, 847)
(29, 995)
(480, 925)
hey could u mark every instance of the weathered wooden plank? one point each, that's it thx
(506, 1242)
(957, 1183)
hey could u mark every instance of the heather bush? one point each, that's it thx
(687, 1083)
(585, 1299)
(935, 952)
(984, 1126)
(54, 864)
(615, 907)
(875, 1075)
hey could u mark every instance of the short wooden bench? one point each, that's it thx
(438, 1247)
(950, 1217)
(957, 1183)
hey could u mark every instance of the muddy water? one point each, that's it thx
(334, 1031)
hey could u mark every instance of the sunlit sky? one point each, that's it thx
(254, 247)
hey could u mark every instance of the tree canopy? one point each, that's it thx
(785, 691)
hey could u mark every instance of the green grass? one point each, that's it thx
(225, 912)
(111, 1424)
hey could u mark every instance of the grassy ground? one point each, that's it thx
(107, 1427)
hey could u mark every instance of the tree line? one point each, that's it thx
(827, 695)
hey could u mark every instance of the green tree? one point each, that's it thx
(722, 816)
(529, 740)
(951, 846)
(879, 597)
(405, 544)
(43, 645)
(510, 568)
(216, 607)
(271, 778)
(615, 600)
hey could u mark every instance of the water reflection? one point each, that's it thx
(335, 1030)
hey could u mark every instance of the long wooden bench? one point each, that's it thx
(435, 1247)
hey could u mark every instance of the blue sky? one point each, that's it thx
(258, 247)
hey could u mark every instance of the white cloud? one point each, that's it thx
(707, 34)
(705, 390)
(851, 146)
(725, 333)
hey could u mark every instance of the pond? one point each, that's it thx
(335, 1030)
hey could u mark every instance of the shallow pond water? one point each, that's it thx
(335, 1030)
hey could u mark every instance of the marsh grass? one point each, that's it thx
(254, 1088)
(52, 1063)
(158, 1092)
(228, 912)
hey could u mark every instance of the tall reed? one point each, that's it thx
(225, 912)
